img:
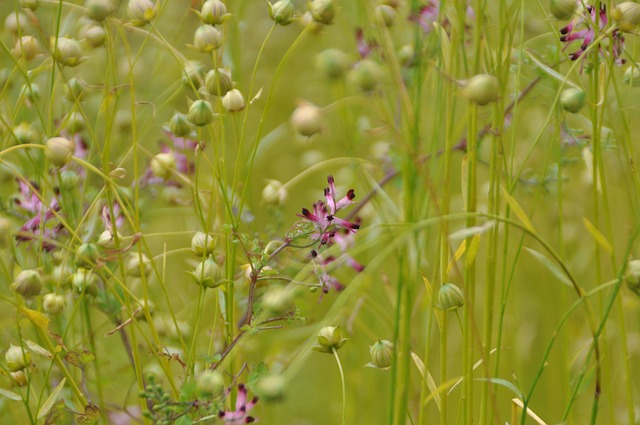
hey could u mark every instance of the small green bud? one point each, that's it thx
(66, 51)
(200, 113)
(386, 14)
(277, 300)
(332, 64)
(87, 255)
(207, 38)
(213, 12)
(281, 12)
(74, 122)
(450, 297)
(53, 303)
(179, 125)
(233, 101)
(271, 388)
(632, 276)
(84, 280)
(27, 47)
(218, 82)
(137, 265)
(99, 10)
(307, 119)
(632, 76)
(24, 133)
(274, 193)
(381, 354)
(627, 15)
(328, 339)
(74, 90)
(203, 244)
(17, 358)
(28, 283)
(563, 9)
(572, 99)
(94, 35)
(31, 92)
(193, 74)
(210, 384)
(481, 89)
(322, 11)
(366, 75)
(207, 274)
(59, 151)
(163, 164)
(141, 11)
(29, 4)
(310, 24)
(17, 23)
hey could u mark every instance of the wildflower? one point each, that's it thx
(183, 165)
(328, 339)
(33, 228)
(241, 414)
(426, 15)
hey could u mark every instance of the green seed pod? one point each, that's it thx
(19, 378)
(277, 300)
(60, 276)
(271, 388)
(450, 297)
(218, 82)
(366, 75)
(386, 14)
(233, 101)
(99, 10)
(563, 9)
(17, 23)
(307, 119)
(281, 12)
(141, 11)
(310, 24)
(207, 38)
(381, 354)
(632, 76)
(31, 92)
(210, 385)
(332, 64)
(17, 358)
(163, 164)
(66, 51)
(179, 125)
(213, 12)
(87, 255)
(274, 193)
(200, 113)
(53, 303)
(193, 74)
(59, 151)
(203, 244)
(74, 122)
(627, 15)
(572, 99)
(406, 55)
(74, 90)
(632, 276)
(26, 47)
(328, 339)
(481, 89)
(322, 11)
(207, 274)
(29, 4)
(24, 134)
(28, 283)
(138, 265)
(85, 281)
(94, 35)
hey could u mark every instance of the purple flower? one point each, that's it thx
(240, 414)
(40, 214)
(426, 15)
(106, 217)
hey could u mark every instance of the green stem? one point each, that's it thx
(344, 387)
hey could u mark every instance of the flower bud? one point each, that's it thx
(209, 384)
(332, 64)
(213, 12)
(99, 10)
(385, 14)
(29, 4)
(17, 23)
(322, 11)
(179, 125)
(19, 378)
(84, 280)
(366, 75)
(27, 47)
(307, 119)
(563, 9)
(218, 82)
(200, 113)
(163, 164)
(233, 101)
(207, 38)
(141, 11)
(271, 388)
(74, 90)
(207, 274)
(17, 358)
(281, 12)
(74, 122)
(137, 265)
(627, 15)
(31, 92)
(632, 76)
(277, 300)
(406, 55)
(450, 297)
(28, 283)
(193, 74)
(66, 51)
(203, 244)
(25, 134)
(632, 276)
(53, 303)
(481, 89)
(94, 35)
(274, 193)
(381, 354)
(87, 255)
(329, 338)
(106, 240)
(310, 24)
(60, 276)
(572, 99)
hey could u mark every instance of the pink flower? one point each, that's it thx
(40, 214)
(240, 415)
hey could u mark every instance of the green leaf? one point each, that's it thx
(427, 376)
(87, 357)
(597, 235)
(10, 395)
(56, 411)
(503, 383)
(38, 319)
(518, 211)
(35, 348)
(550, 265)
(51, 400)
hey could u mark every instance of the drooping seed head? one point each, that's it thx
(332, 63)
(213, 12)
(282, 12)
(627, 15)
(66, 51)
(17, 358)
(218, 82)
(59, 151)
(307, 119)
(381, 354)
(207, 38)
(203, 244)
(450, 297)
(233, 101)
(28, 283)
(53, 303)
(27, 47)
(200, 113)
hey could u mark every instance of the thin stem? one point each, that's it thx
(344, 387)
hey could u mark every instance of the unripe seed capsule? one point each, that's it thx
(59, 151)
(563, 9)
(572, 99)
(481, 89)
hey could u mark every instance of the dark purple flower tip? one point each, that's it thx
(314, 253)
(306, 212)
(355, 226)
(330, 179)
(249, 420)
(221, 414)
(351, 194)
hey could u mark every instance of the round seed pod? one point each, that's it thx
(328, 339)
(627, 15)
(210, 384)
(179, 125)
(381, 354)
(27, 47)
(203, 244)
(28, 283)
(274, 193)
(332, 63)
(141, 11)
(163, 164)
(386, 14)
(366, 75)
(17, 358)
(53, 303)
(59, 151)
(322, 11)
(207, 38)
(277, 300)
(200, 113)
(481, 89)
(632, 276)
(138, 264)
(572, 99)
(94, 35)
(281, 12)
(213, 12)
(87, 255)
(207, 274)
(218, 82)
(66, 51)
(24, 133)
(272, 388)
(563, 9)
(450, 297)
(17, 23)
(99, 10)
(307, 119)
(233, 101)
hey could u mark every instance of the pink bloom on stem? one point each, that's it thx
(241, 414)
